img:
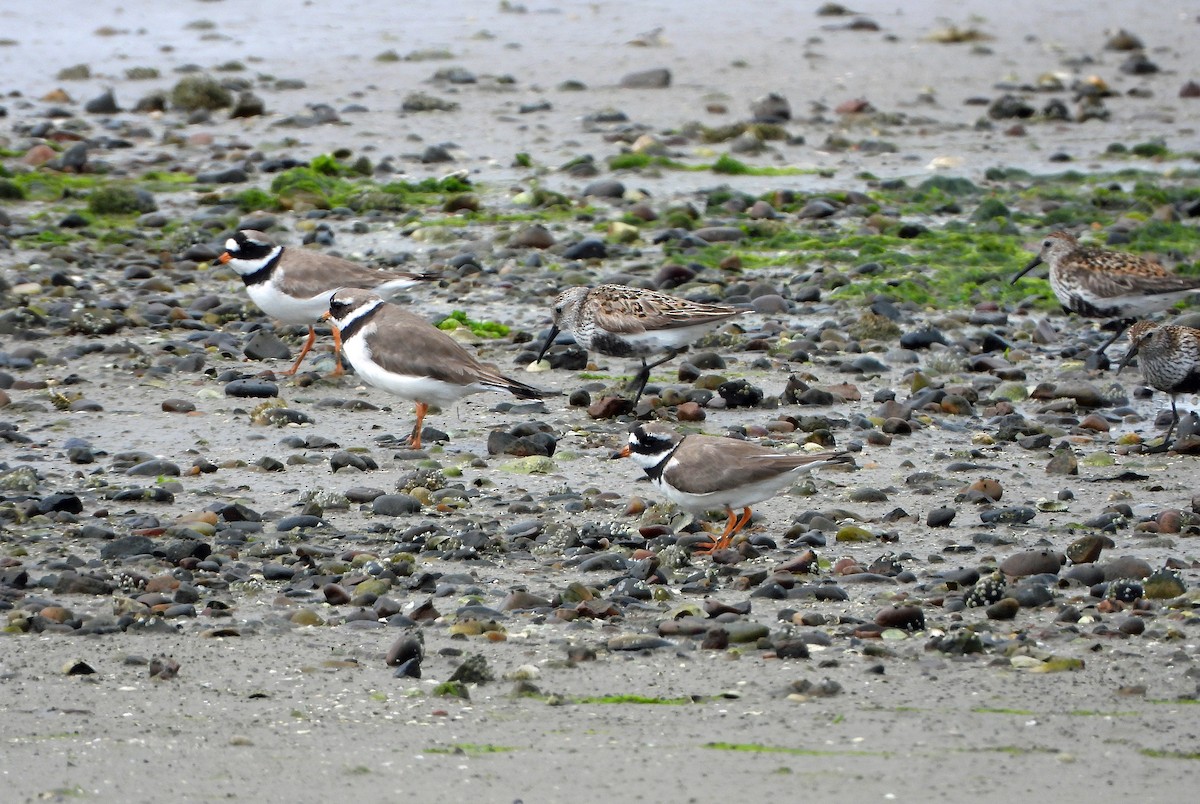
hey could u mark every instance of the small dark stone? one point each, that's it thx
(1031, 562)
(1003, 609)
(908, 618)
(251, 388)
(473, 670)
(127, 546)
(341, 459)
(740, 394)
(63, 501)
(335, 594)
(178, 406)
(658, 78)
(940, 517)
(154, 468)
(395, 505)
(105, 103)
(791, 649)
(589, 248)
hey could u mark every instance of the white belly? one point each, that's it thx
(739, 497)
(288, 309)
(418, 389)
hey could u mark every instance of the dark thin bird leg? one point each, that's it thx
(1125, 324)
(1166, 442)
(643, 376)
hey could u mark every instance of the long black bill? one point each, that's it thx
(549, 340)
(1034, 263)
(1128, 356)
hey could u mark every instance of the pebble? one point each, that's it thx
(1032, 562)
(251, 389)
(395, 505)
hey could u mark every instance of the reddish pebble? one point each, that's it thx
(690, 412)
(39, 155)
(847, 566)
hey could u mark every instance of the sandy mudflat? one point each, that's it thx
(285, 712)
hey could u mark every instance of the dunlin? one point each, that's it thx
(1098, 283)
(1169, 356)
(621, 321)
(701, 472)
(399, 352)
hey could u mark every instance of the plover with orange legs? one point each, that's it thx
(1169, 357)
(293, 284)
(701, 472)
(621, 321)
(404, 354)
(1099, 283)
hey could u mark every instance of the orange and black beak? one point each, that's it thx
(225, 257)
(623, 453)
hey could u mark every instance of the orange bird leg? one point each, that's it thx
(308, 344)
(414, 440)
(719, 542)
(741, 523)
(337, 352)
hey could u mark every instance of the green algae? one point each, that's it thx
(759, 748)
(471, 749)
(633, 699)
(1157, 753)
(483, 329)
(328, 182)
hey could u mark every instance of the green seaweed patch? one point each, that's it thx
(725, 165)
(953, 265)
(1012, 750)
(49, 185)
(327, 182)
(115, 199)
(162, 181)
(759, 748)
(633, 699)
(49, 238)
(11, 191)
(471, 749)
(452, 689)
(483, 329)
(989, 710)
(634, 161)
(1158, 753)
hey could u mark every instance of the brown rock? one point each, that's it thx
(335, 594)
(38, 155)
(532, 236)
(1004, 609)
(1031, 562)
(1086, 549)
(609, 407)
(908, 618)
(690, 412)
